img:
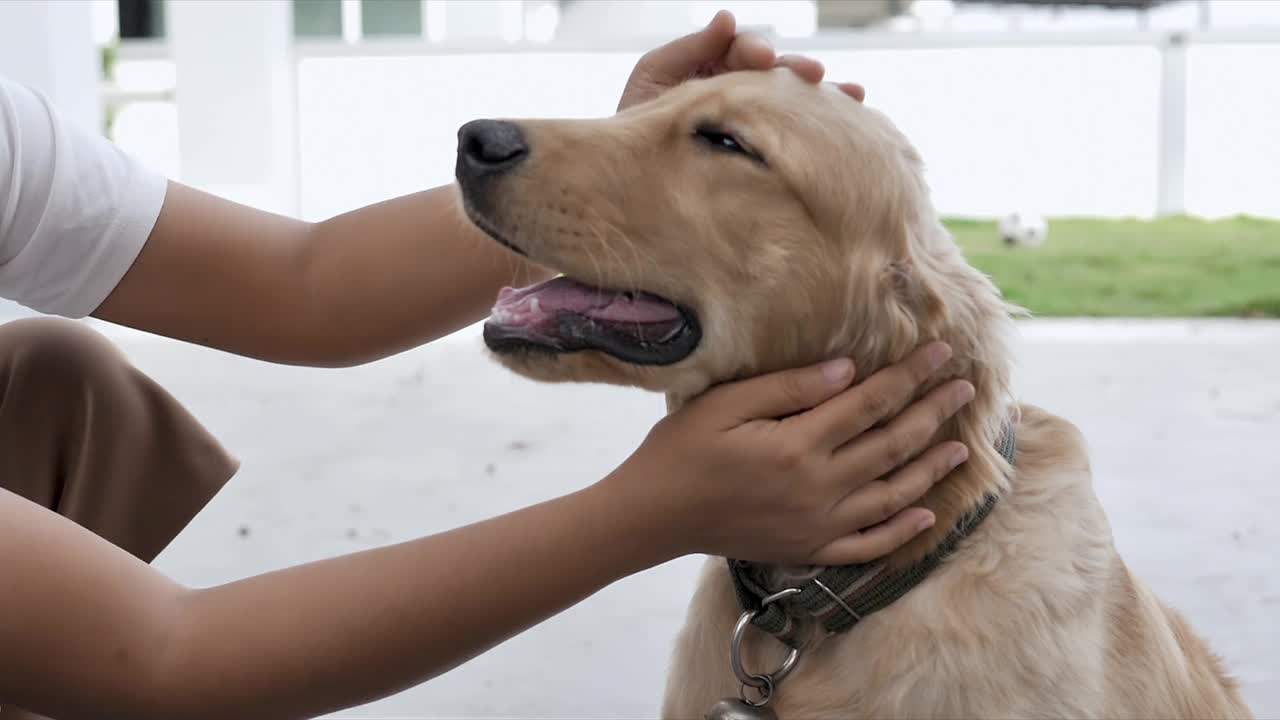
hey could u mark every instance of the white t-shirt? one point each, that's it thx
(75, 210)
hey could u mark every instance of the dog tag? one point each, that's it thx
(735, 709)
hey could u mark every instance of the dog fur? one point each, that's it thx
(829, 246)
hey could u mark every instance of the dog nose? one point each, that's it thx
(488, 147)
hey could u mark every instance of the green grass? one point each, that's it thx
(1170, 267)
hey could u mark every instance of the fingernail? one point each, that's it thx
(938, 355)
(837, 371)
(958, 456)
(925, 523)
(965, 393)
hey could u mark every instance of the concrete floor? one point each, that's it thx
(1182, 418)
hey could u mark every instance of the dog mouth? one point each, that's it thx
(564, 315)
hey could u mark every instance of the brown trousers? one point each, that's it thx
(87, 435)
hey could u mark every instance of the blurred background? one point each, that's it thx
(1113, 164)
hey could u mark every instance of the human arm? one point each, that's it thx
(86, 229)
(360, 286)
(86, 630)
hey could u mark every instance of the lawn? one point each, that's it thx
(1170, 267)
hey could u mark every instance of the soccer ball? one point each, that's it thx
(1023, 229)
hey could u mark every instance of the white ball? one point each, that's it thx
(1024, 229)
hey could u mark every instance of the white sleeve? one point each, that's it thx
(75, 210)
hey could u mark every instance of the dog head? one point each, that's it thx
(734, 226)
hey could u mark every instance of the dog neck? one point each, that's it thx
(833, 600)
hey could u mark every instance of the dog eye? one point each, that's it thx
(720, 140)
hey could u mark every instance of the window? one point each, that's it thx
(144, 19)
(391, 17)
(327, 19)
(140, 19)
(317, 18)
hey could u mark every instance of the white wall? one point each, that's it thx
(235, 108)
(594, 19)
(49, 46)
(371, 128)
(1066, 130)
(1070, 130)
(612, 18)
(1233, 130)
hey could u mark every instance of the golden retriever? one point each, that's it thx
(753, 222)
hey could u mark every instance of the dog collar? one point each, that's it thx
(841, 596)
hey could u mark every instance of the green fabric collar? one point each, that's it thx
(841, 596)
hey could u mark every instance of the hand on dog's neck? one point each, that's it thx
(964, 488)
(963, 309)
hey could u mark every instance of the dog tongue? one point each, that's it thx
(544, 301)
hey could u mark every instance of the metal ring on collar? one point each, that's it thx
(766, 692)
(735, 648)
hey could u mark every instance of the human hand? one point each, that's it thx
(713, 50)
(823, 485)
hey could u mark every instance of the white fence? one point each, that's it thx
(1105, 124)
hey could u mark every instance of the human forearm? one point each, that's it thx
(354, 288)
(347, 630)
(403, 272)
(307, 639)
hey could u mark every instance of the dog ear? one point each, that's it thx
(917, 279)
(908, 287)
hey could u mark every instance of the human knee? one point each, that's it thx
(57, 353)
